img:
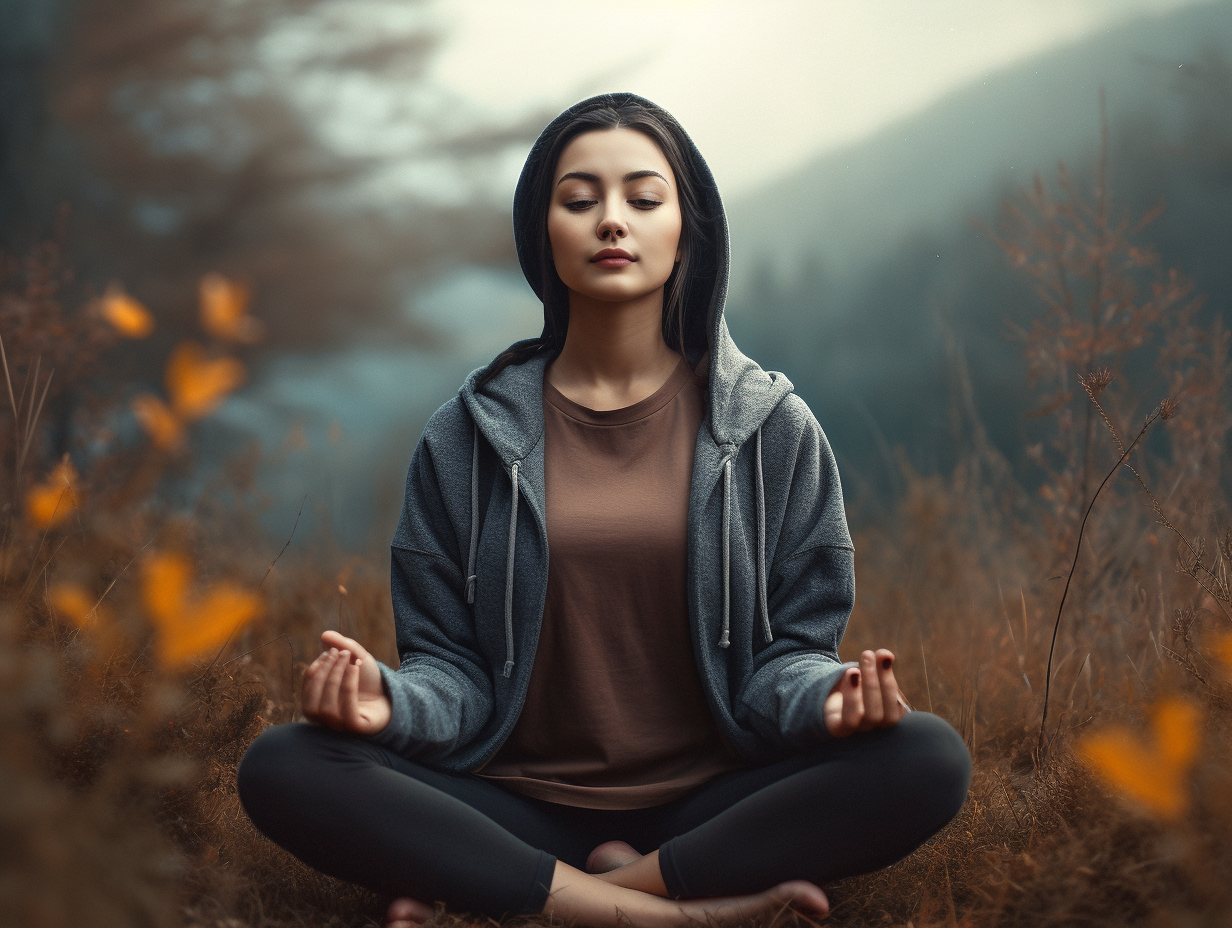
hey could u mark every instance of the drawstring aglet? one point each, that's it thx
(725, 640)
(508, 668)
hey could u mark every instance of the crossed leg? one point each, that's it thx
(747, 842)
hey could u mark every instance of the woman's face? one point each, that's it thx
(613, 188)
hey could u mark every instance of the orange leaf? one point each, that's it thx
(74, 601)
(162, 425)
(125, 314)
(224, 310)
(186, 626)
(196, 384)
(164, 586)
(1176, 732)
(1118, 758)
(1152, 775)
(207, 625)
(50, 503)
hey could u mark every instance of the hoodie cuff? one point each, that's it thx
(388, 736)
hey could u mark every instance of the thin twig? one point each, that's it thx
(223, 649)
(8, 380)
(30, 425)
(1077, 549)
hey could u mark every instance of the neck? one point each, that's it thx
(613, 349)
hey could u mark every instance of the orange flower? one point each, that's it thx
(197, 384)
(188, 625)
(125, 314)
(1151, 774)
(162, 425)
(224, 310)
(51, 503)
(74, 601)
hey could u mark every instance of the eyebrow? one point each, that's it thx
(632, 175)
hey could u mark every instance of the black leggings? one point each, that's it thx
(361, 813)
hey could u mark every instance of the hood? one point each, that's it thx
(741, 394)
(508, 408)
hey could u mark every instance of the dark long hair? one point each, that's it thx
(662, 129)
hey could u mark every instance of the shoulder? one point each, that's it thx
(450, 420)
(447, 437)
(794, 418)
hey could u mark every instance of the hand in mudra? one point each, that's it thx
(865, 697)
(343, 690)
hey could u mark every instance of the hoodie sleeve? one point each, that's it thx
(810, 587)
(441, 694)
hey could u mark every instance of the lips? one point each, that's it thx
(612, 254)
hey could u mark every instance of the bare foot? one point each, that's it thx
(588, 899)
(610, 856)
(805, 898)
(405, 912)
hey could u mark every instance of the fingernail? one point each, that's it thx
(885, 662)
(855, 679)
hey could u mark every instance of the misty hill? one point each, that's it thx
(848, 272)
(847, 275)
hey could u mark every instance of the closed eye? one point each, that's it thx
(578, 205)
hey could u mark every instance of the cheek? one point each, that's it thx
(562, 235)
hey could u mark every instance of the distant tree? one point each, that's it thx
(181, 134)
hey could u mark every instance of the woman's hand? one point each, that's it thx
(865, 697)
(343, 690)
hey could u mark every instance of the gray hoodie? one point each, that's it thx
(770, 582)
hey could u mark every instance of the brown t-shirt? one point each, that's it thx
(615, 715)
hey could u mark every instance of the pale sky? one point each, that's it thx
(760, 86)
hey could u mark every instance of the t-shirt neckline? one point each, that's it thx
(625, 414)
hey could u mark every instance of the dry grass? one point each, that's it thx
(119, 803)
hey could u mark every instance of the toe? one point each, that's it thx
(405, 911)
(803, 895)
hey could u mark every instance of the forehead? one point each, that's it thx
(612, 153)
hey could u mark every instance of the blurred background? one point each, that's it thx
(353, 163)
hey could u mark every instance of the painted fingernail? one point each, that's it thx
(886, 662)
(855, 679)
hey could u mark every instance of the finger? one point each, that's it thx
(853, 702)
(342, 642)
(350, 697)
(314, 683)
(891, 701)
(874, 711)
(331, 703)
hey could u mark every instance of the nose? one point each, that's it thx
(612, 226)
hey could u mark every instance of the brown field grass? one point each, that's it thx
(141, 650)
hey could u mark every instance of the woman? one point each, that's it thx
(659, 727)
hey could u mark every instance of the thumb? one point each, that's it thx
(333, 639)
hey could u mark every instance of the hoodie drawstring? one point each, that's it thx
(725, 640)
(761, 545)
(513, 543)
(512, 548)
(470, 564)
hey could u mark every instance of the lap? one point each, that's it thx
(285, 754)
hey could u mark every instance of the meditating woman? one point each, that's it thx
(652, 724)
